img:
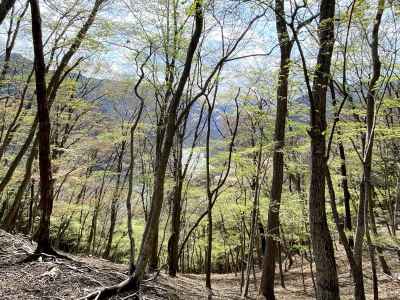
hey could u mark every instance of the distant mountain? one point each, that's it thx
(18, 64)
(112, 96)
(92, 89)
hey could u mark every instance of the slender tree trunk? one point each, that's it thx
(327, 286)
(129, 208)
(113, 219)
(343, 173)
(381, 257)
(46, 180)
(208, 253)
(357, 274)
(396, 207)
(154, 259)
(150, 231)
(99, 196)
(254, 222)
(5, 6)
(268, 273)
(280, 265)
(92, 233)
(11, 216)
(29, 225)
(360, 230)
(346, 194)
(173, 243)
(370, 119)
(114, 203)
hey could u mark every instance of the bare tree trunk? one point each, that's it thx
(357, 274)
(396, 207)
(346, 194)
(29, 225)
(254, 222)
(208, 254)
(114, 202)
(5, 6)
(11, 216)
(92, 233)
(213, 192)
(376, 73)
(381, 257)
(150, 231)
(99, 196)
(180, 173)
(132, 250)
(129, 206)
(173, 243)
(327, 286)
(46, 180)
(268, 273)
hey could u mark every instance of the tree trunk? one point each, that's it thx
(46, 180)
(254, 222)
(99, 195)
(381, 257)
(370, 119)
(114, 203)
(5, 6)
(151, 231)
(343, 173)
(92, 234)
(346, 194)
(208, 254)
(268, 273)
(173, 243)
(29, 225)
(11, 216)
(153, 258)
(359, 292)
(327, 286)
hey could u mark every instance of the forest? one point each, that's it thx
(200, 149)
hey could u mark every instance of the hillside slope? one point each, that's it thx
(54, 278)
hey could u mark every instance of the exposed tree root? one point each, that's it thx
(129, 284)
(48, 252)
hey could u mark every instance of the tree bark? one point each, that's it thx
(150, 232)
(46, 180)
(114, 202)
(357, 274)
(327, 286)
(285, 44)
(346, 194)
(343, 173)
(173, 243)
(5, 6)
(254, 222)
(370, 119)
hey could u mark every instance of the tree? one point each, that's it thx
(285, 44)
(214, 191)
(5, 6)
(46, 180)
(327, 286)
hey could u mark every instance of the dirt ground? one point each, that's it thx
(51, 278)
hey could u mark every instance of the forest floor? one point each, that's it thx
(55, 278)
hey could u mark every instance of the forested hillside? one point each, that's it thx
(213, 149)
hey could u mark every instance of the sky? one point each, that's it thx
(115, 59)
